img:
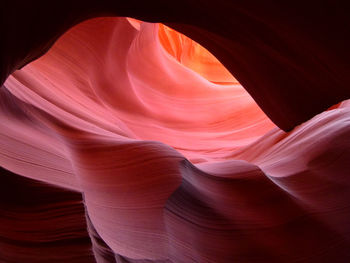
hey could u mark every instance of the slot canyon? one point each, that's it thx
(174, 132)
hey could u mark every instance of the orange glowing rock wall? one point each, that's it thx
(140, 144)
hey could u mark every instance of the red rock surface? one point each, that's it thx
(175, 162)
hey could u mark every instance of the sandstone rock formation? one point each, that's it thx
(130, 142)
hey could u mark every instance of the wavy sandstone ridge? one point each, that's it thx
(174, 160)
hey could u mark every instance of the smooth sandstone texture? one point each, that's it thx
(282, 53)
(174, 160)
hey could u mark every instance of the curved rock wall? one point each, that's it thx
(174, 160)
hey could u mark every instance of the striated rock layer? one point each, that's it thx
(41, 223)
(281, 52)
(174, 160)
